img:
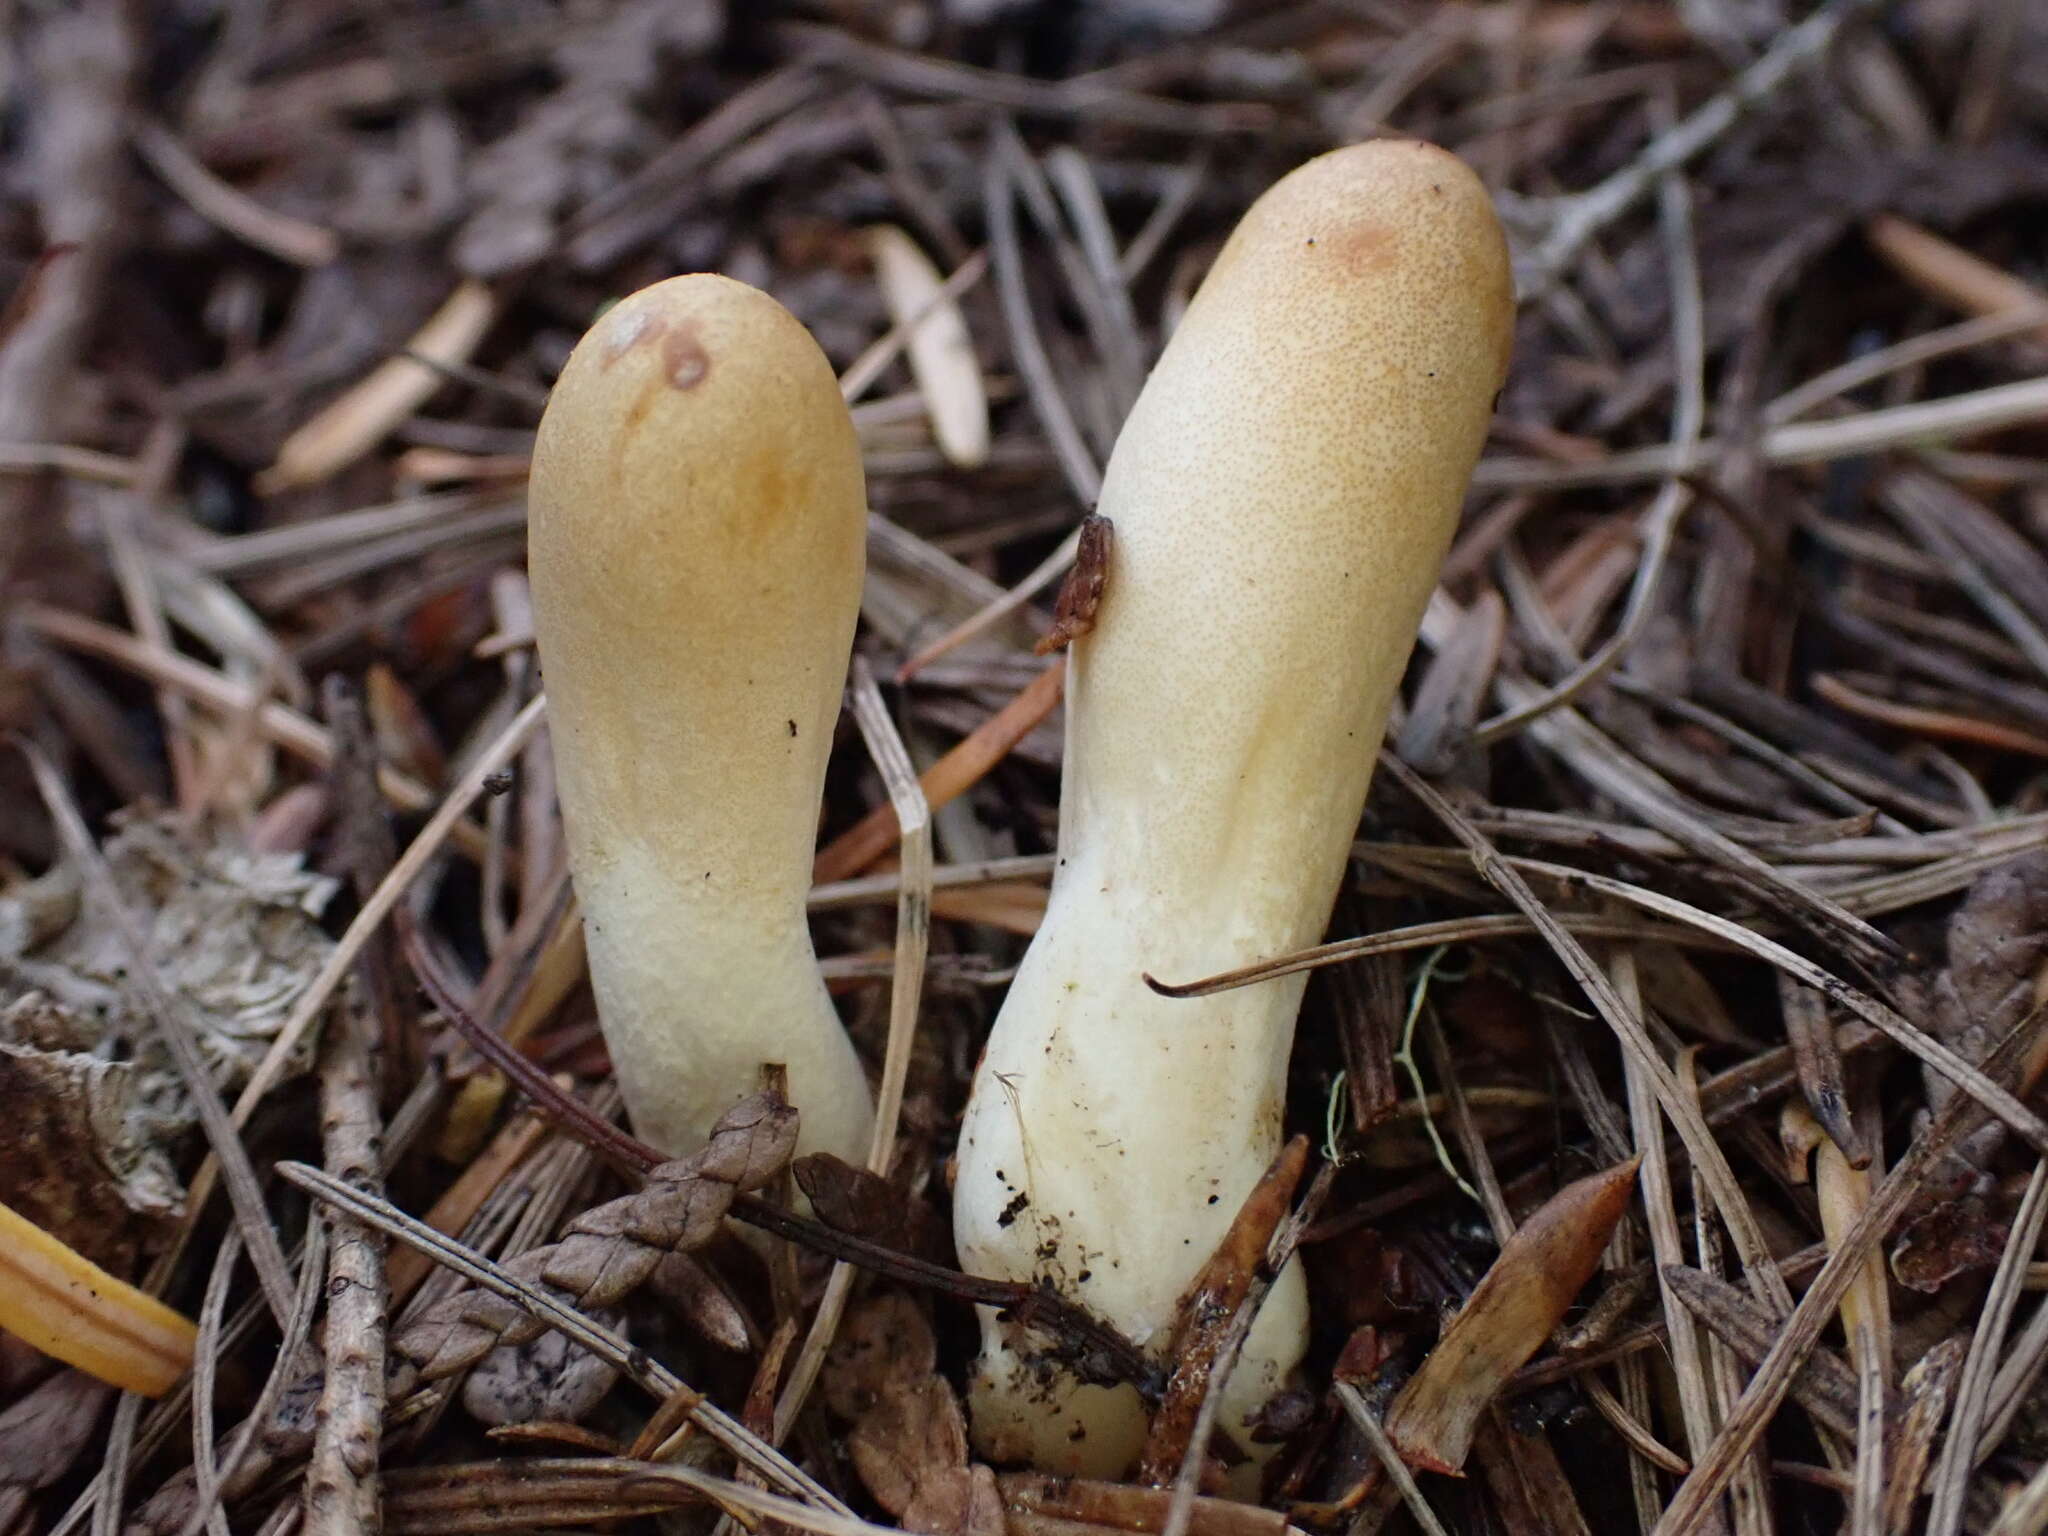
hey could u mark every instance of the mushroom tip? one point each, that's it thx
(690, 371)
(680, 325)
(1410, 213)
(1390, 162)
(695, 294)
(1387, 202)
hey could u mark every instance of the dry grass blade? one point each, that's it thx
(1950, 273)
(737, 1497)
(287, 238)
(252, 1452)
(1397, 1473)
(906, 990)
(1659, 527)
(1098, 102)
(1959, 1452)
(1667, 1245)
(1585, 215)
(1041, 383)
(1735, 685)
(1843, 1190)
(1394, 941)
(1971, 1079)
(947, 779)
(908, 800)
(1825, 1387)
(2026, 1512)
(286, 727)
(1123, 1507)
(418, 854)
(470, 1498)
(1922, 424)
(1801, 1331)
(1629, 1029)
(886, 348)
(1823, 387)
(1733, 935)
(212, 1314)
(2001, 574)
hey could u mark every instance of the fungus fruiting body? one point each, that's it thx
(1282, 497)
(696, 541)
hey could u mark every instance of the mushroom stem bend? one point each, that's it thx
(697, 539)
(1283, 495)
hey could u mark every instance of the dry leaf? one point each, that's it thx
(548, 1379)
(1514, 1308)
(961, 1501)
(882, 1342)
(694, 1292)
(909, 1439)
(97, 1109)
(82, 1154)
(912, 1435)
(940, 349)
(43, 1433)
(867, 1205)
(1997, 940)
(1957, 1237)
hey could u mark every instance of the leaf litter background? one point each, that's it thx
(1713, 920)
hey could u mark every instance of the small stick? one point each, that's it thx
(342, 1492)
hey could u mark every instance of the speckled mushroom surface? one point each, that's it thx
(1282, 495)
(697, 536)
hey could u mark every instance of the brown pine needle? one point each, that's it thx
(947, 779)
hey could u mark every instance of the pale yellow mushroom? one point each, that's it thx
(696, 544)
(1282, 497)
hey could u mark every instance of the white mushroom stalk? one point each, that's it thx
(1282, 497)
(696, 542)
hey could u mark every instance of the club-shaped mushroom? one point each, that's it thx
(697, 527)
(1282, 496)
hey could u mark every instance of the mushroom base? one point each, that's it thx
(696, 993)
(1025, 1408)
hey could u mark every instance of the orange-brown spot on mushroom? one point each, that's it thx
(684, 359)
(1361, 248)
(635, 414)
(772, 500)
